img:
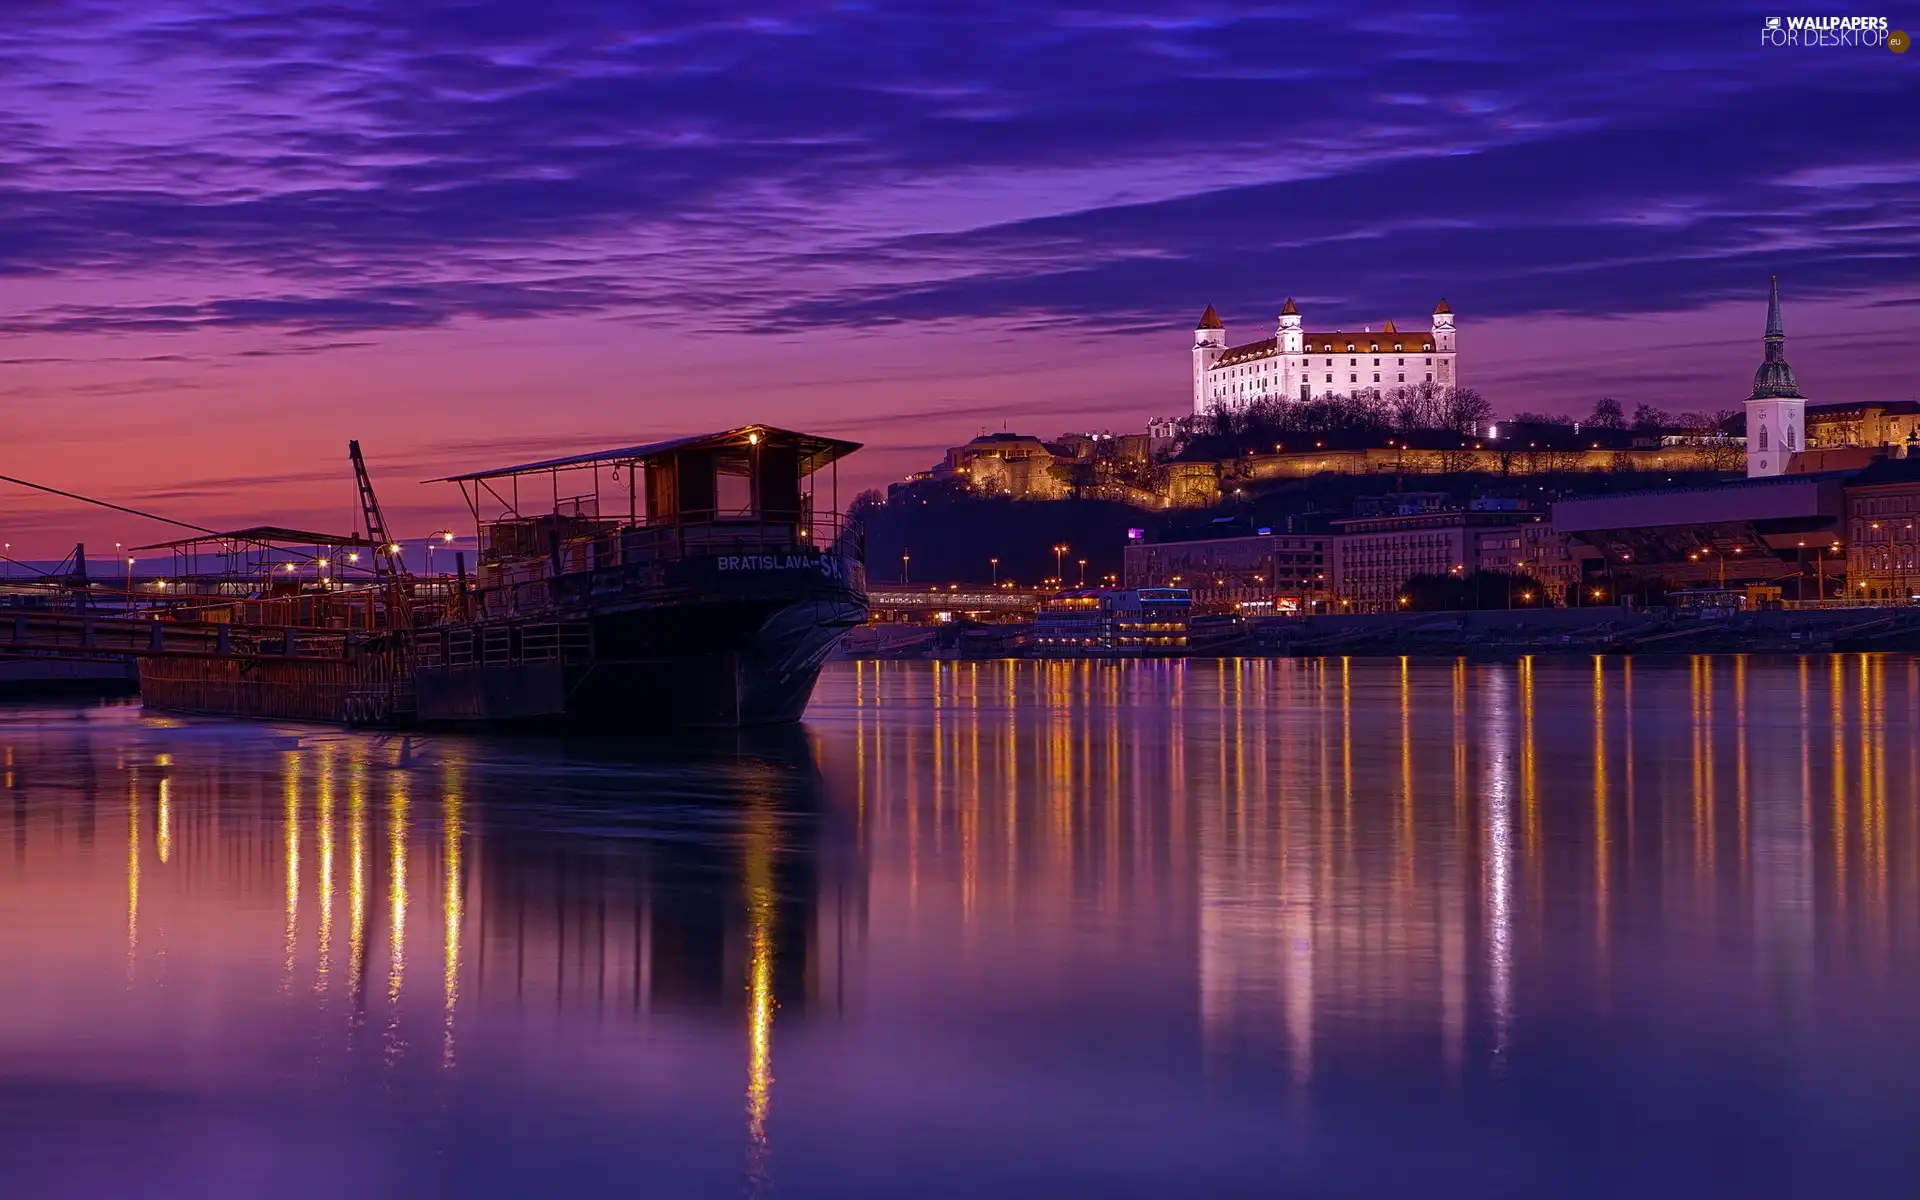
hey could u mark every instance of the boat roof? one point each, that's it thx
(815, 452)
(262, 535)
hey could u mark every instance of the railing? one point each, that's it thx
(504, 645)
(523, 584)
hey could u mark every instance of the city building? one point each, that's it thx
(1258, 574)
(1361, 566)
(1374, 556)
(1107, 466)
(1784, 530)
(1881, 425)
(1882, 545)
(1133, 619)
(1008, 464)
(1534, 548)
(1294, 364)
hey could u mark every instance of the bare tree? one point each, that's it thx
(1464, 410)
(1648, 419)
(1607, 414)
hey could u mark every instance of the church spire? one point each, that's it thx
(1774, 380)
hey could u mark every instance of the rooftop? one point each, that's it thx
(815, 452)
(261, 535)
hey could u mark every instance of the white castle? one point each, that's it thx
(1294, 364)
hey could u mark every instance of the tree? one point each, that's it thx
(1607, 414)
(1479, 589)
(1465, 411)
(1415, 406)
(1648, 419)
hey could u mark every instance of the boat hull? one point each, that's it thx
(723, 643)
(726, 666)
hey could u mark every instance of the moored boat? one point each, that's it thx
(693, 582)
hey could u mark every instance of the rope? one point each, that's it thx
(41, 487)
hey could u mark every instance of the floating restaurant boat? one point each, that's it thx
(692, 582)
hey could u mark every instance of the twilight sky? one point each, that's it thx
(235, 233)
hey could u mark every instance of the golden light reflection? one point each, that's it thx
(1742, 800)
(1705, 773)
(323, 961)
(396, 889)
(163, 834)
(1529, 759)
(762, 836)
(290, 819)
(1602, 841)
(1497, 863)
(453, 830)
(1837, 722)
(1873, 781)
(357, 879)
(133, 870)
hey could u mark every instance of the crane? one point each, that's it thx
(384, 547)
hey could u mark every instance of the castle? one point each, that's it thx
(1294, 364)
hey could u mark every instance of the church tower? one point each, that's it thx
(1776, 412)
(1209, 343)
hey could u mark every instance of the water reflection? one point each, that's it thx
(1244, 915)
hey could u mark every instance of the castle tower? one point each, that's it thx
(1443, 344)
(1776, 412)
(1209, 343)
(1288, 342)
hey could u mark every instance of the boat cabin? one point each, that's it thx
(750, 490)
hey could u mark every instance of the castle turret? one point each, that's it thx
(1443, 346)
(1287, 335)
(1209, 343)
(1443, 327)
(1776, 411)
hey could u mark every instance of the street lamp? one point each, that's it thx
(1059, 555)
(1083, 572)
(905, 559)
(995, 564)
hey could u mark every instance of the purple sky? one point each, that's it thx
(235, 233)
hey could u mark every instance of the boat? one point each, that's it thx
(696, 582)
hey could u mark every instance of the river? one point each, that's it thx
(1359, 927)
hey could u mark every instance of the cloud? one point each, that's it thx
(361, 166)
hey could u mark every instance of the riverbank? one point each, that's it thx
(1485, 633)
